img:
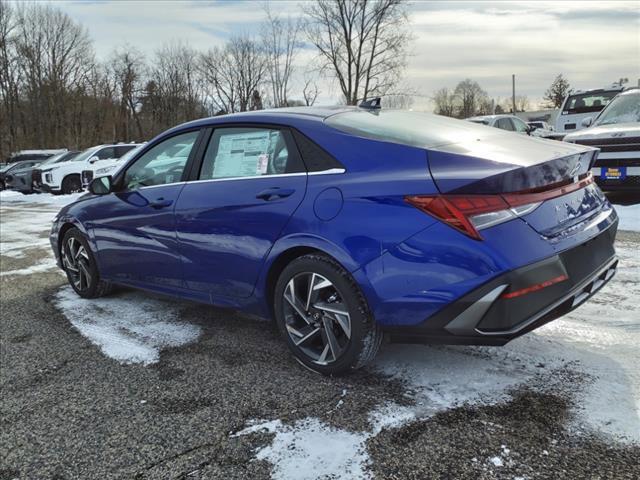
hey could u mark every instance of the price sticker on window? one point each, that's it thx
(263, 164)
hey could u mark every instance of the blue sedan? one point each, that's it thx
(350, 225)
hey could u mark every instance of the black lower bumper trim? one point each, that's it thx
(489, 316)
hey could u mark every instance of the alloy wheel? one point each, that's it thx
(316, 317)
(76, 262)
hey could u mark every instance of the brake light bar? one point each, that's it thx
(527, 196)
(470, 213)
(536, 287)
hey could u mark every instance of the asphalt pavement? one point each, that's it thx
(68, 411)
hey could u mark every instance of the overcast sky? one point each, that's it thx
(591, 43)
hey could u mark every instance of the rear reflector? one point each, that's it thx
(535, 288)
(470, 213)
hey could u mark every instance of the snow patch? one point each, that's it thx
(11, 196)
(310, 449)
(629, 217)
(130, 328)
(45, 266)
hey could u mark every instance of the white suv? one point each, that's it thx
(580, 105)
(65, 177)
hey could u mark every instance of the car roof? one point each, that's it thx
(612, 88)
(287, 114)
(631, 91)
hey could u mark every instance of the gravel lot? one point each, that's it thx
(136, 386)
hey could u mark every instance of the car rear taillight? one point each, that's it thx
(470, 213)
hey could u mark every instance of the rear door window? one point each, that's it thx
(120, 151)
(519, 125)
(504, 124)
(106, 153)
(249, 152)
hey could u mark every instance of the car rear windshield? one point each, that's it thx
(588, 102)
(423, 130)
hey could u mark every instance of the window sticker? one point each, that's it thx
(263, 164)
(243, 154)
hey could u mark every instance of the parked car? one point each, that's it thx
(510, 123)
(8, 169)
(34, 155)
(616, 132)
(106, 167)
(65, 177)
(540, 125)
(580, 105)
(345, 224)
(21, 179)
(541, 129)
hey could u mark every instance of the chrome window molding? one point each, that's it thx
(332, 171)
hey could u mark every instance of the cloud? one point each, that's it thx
(591, 43)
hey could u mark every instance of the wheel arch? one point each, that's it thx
(278, 265)
(67, 225)
(288, 249)
(67, 177)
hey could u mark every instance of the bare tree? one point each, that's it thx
(471, 98)
(522, 103)
(362, 43)
(557, 92)
(177, 86)
(310, 92)
(221, 86)
(128, 69)
(233, 73)
(445, 102)
(55, 57)
(8, 78)
(280, 39)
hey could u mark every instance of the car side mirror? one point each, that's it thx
(586, 122)
(531, 128)
(93, 159)
(100, 185)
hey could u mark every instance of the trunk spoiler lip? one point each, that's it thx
(467, 175)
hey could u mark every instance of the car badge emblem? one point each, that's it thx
(575, 169)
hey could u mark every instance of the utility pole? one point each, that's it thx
(513, 92)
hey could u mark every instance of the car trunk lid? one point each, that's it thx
(553, 174)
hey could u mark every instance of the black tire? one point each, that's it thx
(80, 266)
(357, 342)
(71, 184)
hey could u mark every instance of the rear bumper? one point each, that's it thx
(488, 316)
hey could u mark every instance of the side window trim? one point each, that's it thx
(194, 164)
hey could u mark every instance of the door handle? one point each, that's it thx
(275, 193)
(160, 203)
